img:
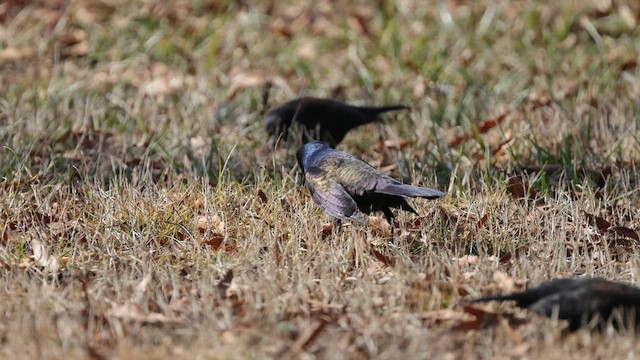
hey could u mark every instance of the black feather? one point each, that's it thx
(578, 300)
(320, 119)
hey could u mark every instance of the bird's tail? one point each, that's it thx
(410, 190)
(494, 298)
(375, 110)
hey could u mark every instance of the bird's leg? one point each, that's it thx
(389, 216)
(338, 227)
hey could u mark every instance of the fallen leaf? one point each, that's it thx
(506, 257)
(480, 224)
(457, 140)
(597, 221)
(624, 231)
(386, 260)
(467, 260)
(482, 318)
(327, 229)
(516, 188)
(412, 224)
(483, 127)
(489, 124)
(213, 223)
(42, 257)
(262, 196)
(217, 242)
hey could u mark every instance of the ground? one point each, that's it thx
(143, 215)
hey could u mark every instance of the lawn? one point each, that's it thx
(142, 214)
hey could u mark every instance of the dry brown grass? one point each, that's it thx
(141, 214)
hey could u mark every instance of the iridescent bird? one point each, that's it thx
(577, 300)
(348, 188)
(320, 119)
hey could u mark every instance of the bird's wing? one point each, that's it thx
(355, 175)
(395, 188)
(359, 177)
(332, 196)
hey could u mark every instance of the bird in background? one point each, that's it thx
(578, 300)
(348, 188)
(320, 119)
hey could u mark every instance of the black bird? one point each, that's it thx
(321, 119)
(578, 300)
(349, 188)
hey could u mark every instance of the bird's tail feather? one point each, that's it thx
(410, 190)
(375, 110)
(494, 298)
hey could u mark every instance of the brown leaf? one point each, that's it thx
(262, 196)
(489, 124)
(213, 223)
(482, 318)
(506, 257)
(482, 128)
(327, 229)
(386, 260)
(516, 187)
(629, 65)
(467, 260)
(217, 242)
(624, 231)
(480, 224)
(597, 221)
(413, 224)
(457, 140)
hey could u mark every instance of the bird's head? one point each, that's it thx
(308, 151)
(279, 119)
(275, 126)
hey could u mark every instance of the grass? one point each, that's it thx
(141, 213)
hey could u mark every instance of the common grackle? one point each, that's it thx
(349, 188)
(320, 119)
(578, 300)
